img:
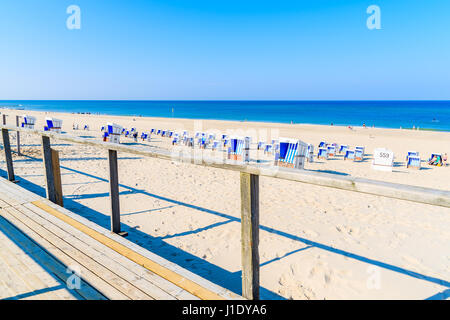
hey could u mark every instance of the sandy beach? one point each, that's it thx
(316, 242)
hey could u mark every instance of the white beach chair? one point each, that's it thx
(413, 162)
(349, 155)
(343, 148)
(236, 148)
(331, 150)
(53, 125)
(323, 153)
(359, 153)
(291, 154)
(114, 131)
(310, 153)
(28, 122)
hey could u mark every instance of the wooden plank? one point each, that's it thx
(8, 155)
(93, 248)
(18, 194)
(63, 254)
(84, 261)
(385, 189)
(162, 271)
(43, 257)
(114, 192)
(73, 219)
(57, 178)
(76, 235)
(250, 235)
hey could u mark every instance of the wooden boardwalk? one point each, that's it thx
(44, 247)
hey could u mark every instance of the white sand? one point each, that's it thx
(316, 243)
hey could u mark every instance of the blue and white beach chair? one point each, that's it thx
(331, 150)
(322, 154)
(28, 122)
(215, 145)
(343, 148)
(291, 154)
(359, 153)
(414, 162)
(349, 155)
(323, 144)
(53, 125)
(310, 153)
(114, 131)
(236, 148)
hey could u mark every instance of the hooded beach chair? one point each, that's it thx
(215, 145)
(343, 148)
(323, 144)
(86, 127)
(349, 155)
(28, 122)
(291, 154)
(268, 148)
(54, 125)
(322, 153)
(310, 153)
(414, 162)
(359, 154)
(114, 131)
(331, 150)
(236, 148)
(435, 160)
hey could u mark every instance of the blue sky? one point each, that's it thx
(234, 50)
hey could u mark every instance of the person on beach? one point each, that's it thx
(444, 159)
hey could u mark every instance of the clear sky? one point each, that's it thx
(225, 49)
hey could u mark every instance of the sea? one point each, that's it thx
(426, 115)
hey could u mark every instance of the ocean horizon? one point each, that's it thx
(431, 115)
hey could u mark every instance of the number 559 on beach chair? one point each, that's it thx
(292, 154)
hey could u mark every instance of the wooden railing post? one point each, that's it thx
(4, 119)
(250, 235)
(8, 155)
(18, 135)
(114, 193)
(52, 172)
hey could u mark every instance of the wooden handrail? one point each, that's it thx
(430, 196)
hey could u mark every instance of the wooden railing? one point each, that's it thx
(249, 182)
